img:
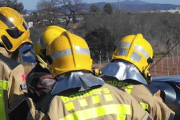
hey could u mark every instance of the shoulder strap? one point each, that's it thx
(9, 62)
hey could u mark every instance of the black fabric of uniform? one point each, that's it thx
(33, 78)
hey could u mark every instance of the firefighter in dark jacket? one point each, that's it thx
(129, 70)
(78, 94)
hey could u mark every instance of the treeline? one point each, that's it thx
(102, 31)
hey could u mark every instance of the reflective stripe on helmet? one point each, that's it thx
(6, 21)
(123, 44)
(121, 110)
(141, 50)
(136, 57)
(3, 86)
(122, 52)
(61, 54)
(136, 47)
(84, 51)
(79, 51)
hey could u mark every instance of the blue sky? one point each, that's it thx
(31, 4)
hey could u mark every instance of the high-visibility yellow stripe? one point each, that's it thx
(4, 84)
(128, 91)
(116, 109)
(83, 102)
(144, 105)
(108, 97)
(121, 117)
(69, 106)
(2, 106)
(95, 99)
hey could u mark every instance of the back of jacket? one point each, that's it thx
(146, 95)
(103, 103)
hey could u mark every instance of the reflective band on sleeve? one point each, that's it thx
(122, 52)
(144, 105)
(82, 51)
(141, 50)
(123, 44)
(3, 84)
(116, 109)
(61, 54)
(136, 57)
(2, 106)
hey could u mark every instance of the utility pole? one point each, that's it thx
(119, 5)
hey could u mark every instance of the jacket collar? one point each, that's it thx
(79, 80)
(123, 71)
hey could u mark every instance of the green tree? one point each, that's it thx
(108, 8)
(94, 8)
(13, 4)
(100, 42)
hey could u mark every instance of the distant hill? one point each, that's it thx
(132, 6)
(135, 6)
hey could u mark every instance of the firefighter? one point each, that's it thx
(39, 79)
(128, 69)
(14, 104)
(77, 93)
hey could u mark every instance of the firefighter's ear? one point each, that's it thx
(147, 76)
(97, 72)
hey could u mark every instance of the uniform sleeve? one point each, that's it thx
(138, 113)
(163, 112)
(19, 103)
(17, 87)
(37, 115)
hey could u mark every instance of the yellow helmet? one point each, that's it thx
(13, 29)
(136, 50)
(49, 34)
(68, 52)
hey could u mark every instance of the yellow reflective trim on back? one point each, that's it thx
(116, 109)
(83, 102)
(108, 97)
(144, 105)
(69, 106)
(4, 84)
(95, 99)
(128, 91)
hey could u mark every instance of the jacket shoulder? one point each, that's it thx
(152, 89)
(9, 62)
